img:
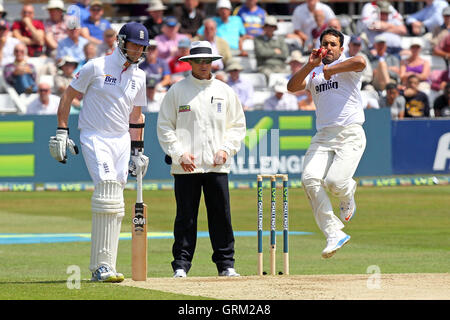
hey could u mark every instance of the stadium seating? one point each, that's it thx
(349, 20)
(248, 45)
(275, 76)
(248, 63)
(37, 62)
(284, 27)
(258, 80)
(259, 97)
(6, 104)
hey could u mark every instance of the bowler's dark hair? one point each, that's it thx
(335, 33)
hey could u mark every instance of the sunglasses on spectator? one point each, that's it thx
(95, 9)
(202, 60)
(17, 51)
(44, 90)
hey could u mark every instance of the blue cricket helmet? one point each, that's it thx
(136, 33)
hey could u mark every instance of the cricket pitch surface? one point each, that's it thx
(411, 286)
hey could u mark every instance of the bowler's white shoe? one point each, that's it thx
(335, 243)
(104, 274)
(348, 209)
(179, 273)
(229, 272)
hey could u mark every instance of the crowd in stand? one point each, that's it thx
(401, 78)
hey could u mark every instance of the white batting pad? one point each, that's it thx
(108, 210)
(108, 197)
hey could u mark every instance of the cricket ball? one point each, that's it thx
(319, 52)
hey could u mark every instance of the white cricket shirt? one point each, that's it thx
(338, 100)
(110, 93)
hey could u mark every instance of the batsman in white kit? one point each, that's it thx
(114, 92)
(335, 151)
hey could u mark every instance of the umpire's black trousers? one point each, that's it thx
(188, 188)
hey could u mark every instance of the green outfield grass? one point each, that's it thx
(398, 229)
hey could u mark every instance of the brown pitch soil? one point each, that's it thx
(412, 286)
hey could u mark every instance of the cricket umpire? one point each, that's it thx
(114, 91)
(201, 124)
(335, 151)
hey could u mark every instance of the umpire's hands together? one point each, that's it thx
(188, 165)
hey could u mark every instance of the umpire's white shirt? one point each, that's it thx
(110, 93)
(338, 100)
(200, 117)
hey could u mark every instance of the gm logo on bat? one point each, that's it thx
(138, 220)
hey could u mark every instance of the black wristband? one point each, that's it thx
(137, 125)
(137, 144)
(61, 128)
(136, 147)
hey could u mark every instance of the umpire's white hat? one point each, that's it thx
(200, 49)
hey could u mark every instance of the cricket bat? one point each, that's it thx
(139, 233)
(139, 236)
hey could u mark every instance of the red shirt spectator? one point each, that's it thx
(177, 66)
(30, 31)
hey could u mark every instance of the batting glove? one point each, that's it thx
(59, 144)
(138, 163)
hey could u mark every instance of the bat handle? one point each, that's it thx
(139, 198)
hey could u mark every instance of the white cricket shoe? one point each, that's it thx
(104, 274)
(179, 273)
(335, 243)
(229, 272)
(348, 209)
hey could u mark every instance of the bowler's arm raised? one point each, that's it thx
(298, 82)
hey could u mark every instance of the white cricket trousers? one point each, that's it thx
(106, 157)
(329, 164)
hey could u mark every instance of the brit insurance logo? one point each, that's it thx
(110, 80)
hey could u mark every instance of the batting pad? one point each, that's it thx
(108, 210)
